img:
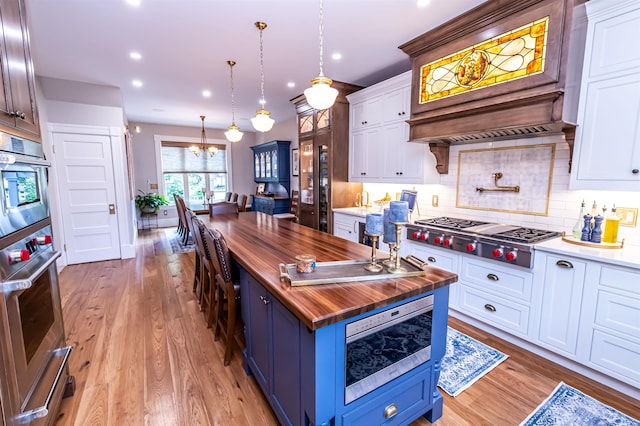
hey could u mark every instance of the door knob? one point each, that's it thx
(112, 209)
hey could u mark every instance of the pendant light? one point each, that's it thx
(262, 122)
(204, 147)
(233, 134)
(321, 95)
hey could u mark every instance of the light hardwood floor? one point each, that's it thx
(144, 356)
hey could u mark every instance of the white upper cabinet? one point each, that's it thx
(607, 149)
(379, 149)
(366, 113)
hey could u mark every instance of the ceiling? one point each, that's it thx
(185, 45)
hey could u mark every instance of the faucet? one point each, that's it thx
(362, 199)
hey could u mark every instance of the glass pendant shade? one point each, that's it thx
(321, 95)
(262, 122)
(233, 134)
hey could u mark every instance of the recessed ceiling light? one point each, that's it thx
(133, 2)
(137, 83)
(135, 55)
(157, 110)
(206, 93)
(336, 56)
(423, 3)
(291, 84)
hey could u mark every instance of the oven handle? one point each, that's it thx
(23, 284)
(43, 411)
(23, 159)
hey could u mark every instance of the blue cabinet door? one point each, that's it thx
(258, 335)
(286, 383)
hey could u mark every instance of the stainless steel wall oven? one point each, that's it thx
(34, 374)
(383, 346)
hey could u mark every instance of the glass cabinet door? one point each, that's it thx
(274, 162)
(267, 162)
(256, 160)
(323, 180)
(307, 189)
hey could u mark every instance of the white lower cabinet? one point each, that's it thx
(561, 279)
(610, 322)
(346, 226)
(498, 295)
(589, 312)
(440, 258)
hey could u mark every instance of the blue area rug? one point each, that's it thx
(465, 362)
(569, 406)
(176, 242)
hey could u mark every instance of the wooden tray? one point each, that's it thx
(570, 239)
(348, 271)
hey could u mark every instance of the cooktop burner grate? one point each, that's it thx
(450, 222)
(525, 235)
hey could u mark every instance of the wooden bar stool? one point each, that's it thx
(227, 287)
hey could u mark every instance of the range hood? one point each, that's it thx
(504, 70)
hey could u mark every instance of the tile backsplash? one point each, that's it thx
(514, 179)
(564, 204)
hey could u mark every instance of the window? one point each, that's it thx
(192, 177)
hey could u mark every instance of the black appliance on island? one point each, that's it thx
(510, 244)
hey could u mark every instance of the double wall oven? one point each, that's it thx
(33, 354)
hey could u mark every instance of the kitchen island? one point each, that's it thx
(296, 336)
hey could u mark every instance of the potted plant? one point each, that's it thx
(150, 202)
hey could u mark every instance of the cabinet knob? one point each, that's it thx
(264, 300)
(564, 264)
(18, 114)
(490, 308)
(635, 171)
(400, 113)
(431, 259)
(493, 277)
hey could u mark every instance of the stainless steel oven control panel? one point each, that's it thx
(386, 318)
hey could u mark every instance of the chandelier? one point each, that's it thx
(212, 150)
(262, 122)
(233, 134)
(321, 95)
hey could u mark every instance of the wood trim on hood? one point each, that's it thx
(526, 107)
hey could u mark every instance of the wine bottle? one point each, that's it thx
(577, 228)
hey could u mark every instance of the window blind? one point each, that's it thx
(177, 158)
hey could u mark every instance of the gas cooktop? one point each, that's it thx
(505, 243)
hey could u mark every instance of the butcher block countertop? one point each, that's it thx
(260, 242)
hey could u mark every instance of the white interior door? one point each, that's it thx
(87, 197)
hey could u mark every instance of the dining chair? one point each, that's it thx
(227, 299)
(223, 208)
(181, 219)
(185, 219)
(242, 204)
(234, 197)
(207, 284)
(227, 197)
(294, 203)
(200, 254)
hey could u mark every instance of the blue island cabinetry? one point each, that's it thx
(302, 371)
